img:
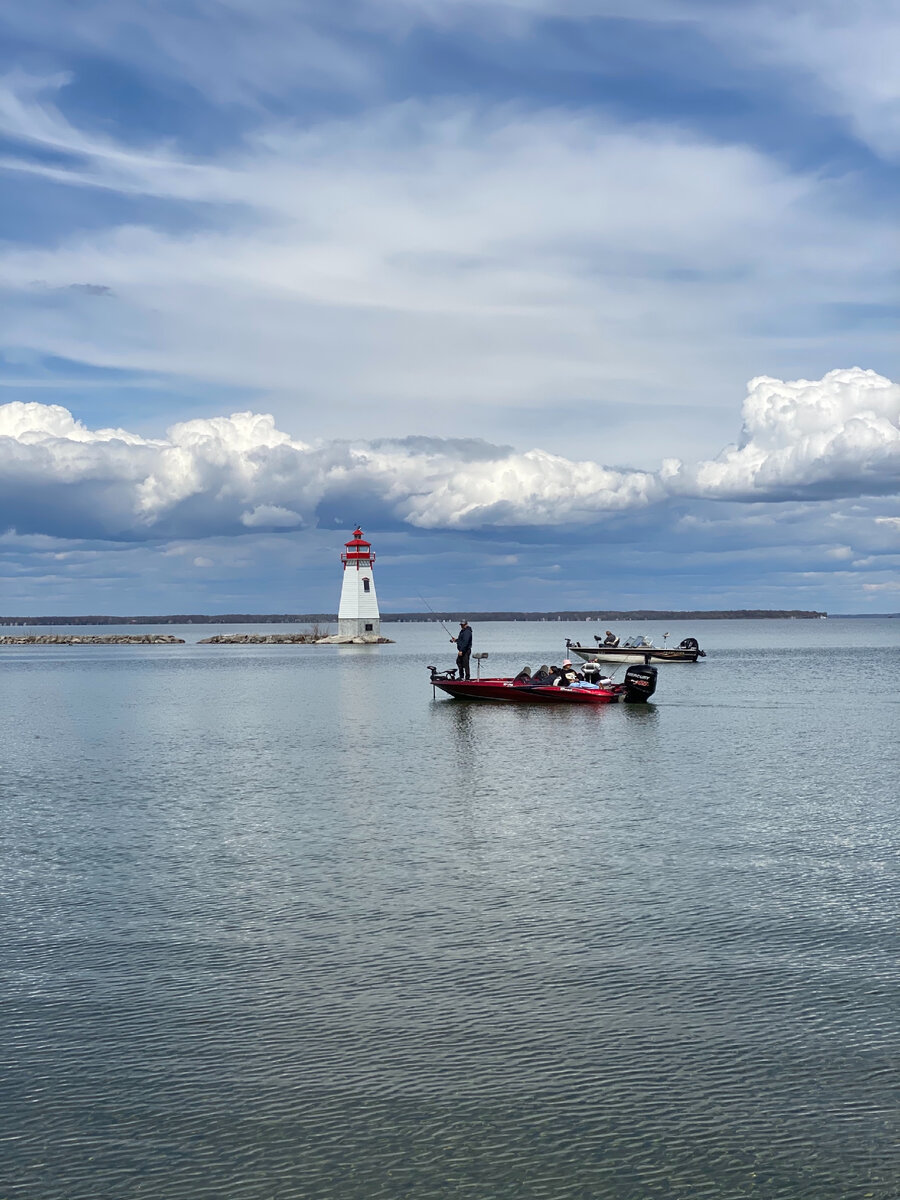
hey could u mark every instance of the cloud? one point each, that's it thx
(534, 488)
(230, 51)
(433, 252)
(836, 57)
(232, 473)
(844, 55)
(91, 289)
(835, 437)
(33, 423)
(271, 516)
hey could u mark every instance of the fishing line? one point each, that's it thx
(434, 614)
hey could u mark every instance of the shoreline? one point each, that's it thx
(749, 614)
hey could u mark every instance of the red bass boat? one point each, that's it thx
(637, 687)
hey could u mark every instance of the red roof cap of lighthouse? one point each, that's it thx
(357, 550)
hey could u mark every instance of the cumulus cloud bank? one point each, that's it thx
(838, 436)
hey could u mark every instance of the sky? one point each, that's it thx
(569, 303)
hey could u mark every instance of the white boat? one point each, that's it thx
(637, 649)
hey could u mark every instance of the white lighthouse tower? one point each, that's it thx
(358, 615)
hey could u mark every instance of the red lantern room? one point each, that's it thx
(357, 551)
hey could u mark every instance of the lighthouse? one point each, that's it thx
(358, 615)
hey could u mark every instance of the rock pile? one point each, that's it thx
(257, 639)
(89, 639)
(287, 639)
(367, 639)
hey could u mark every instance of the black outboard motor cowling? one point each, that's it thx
(640, 684)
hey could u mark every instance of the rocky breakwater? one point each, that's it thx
(258, 639)
(288, 639)
(367, 639)
(90, 639)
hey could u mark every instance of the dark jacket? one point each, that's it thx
(464, 640)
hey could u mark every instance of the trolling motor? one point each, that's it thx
(640, 684)
(437, 675)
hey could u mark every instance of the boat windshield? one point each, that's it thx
(638, 641)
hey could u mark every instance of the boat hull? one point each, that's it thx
(507, 692)
(631, 657)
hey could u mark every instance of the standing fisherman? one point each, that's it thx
(463, 649)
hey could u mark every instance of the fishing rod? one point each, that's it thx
(434, 614)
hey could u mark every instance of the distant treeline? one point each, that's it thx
(641, 614)
(180, 619)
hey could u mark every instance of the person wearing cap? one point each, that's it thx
(463, 649)
(567, 674)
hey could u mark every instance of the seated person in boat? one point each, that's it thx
(610, 639)
(593, 674)
(567, 674)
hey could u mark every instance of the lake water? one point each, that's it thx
(278, 924)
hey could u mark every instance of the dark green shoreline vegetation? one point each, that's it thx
(642, 614)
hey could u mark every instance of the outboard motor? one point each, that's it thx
(689, 644)
(640, 684)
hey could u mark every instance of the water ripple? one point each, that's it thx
(267, 936)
